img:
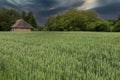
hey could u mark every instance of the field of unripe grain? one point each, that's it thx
(59, 56)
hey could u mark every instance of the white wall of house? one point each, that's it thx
(21, 30)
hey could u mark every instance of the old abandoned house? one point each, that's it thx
(21, 25)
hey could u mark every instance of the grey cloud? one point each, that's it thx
(44, 8)
(110, 11)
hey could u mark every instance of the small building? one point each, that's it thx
(21, 25)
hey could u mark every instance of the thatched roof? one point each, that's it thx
(22, 24)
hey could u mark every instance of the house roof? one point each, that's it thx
(21, 23)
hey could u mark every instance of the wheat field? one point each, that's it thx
(59, 56)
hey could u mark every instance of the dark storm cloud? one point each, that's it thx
(39, 5)
(44, 8)
(41, 8)
(110, 11)
(107, 9)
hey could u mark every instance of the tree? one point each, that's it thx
(103, 25)
(71, 20)
(24, 15)
(31, 20)
(8, 17)
(117, 26)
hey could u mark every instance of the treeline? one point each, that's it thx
(9, 16)
(70, 20)
(80, 20)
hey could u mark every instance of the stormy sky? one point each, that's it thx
(44, 8)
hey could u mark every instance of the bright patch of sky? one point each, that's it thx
(20, 2)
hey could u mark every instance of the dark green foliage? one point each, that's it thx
(117, 26)
(24, 15)
(71, 20)
(81, 20)
(103, 25)
(7, 18)
(30, 18)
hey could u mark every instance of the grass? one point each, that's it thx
(59, 56)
